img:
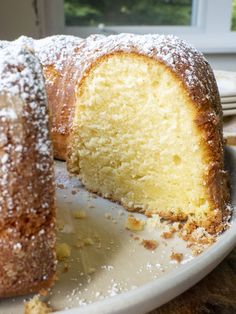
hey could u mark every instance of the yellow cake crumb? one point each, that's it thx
(99, 245)
(82, 242)
(35, 306)
(108, 216)
(149, 244)
(167, 235)
(198, 240)
(63, 251)
(176, 256)
(88, 241)
(148, 213)
(65, 268)
(43, 292)
(79, 243)
(91, 270)
(154, 223)
(60, 186)
(60, 225)
(79, 214)
(134, 224)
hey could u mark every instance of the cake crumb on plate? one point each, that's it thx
(35, 306)
(63, 251)
(176, 256)
(149, 244)
(79, 214)
(134, 224)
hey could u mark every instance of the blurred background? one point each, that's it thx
(210, 25)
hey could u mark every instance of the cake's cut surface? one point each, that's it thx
(136, 140)
(27, 205)
(147, 130)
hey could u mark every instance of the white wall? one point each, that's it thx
(18, 17)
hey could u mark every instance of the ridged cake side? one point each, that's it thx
(53, 53)
(27, 192)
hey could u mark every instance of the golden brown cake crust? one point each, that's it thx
(53, 53)
(198, 81)
(27, 192)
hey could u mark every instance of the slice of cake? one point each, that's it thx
(27, 205)
(147, 128)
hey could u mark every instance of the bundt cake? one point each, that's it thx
(27, 205)
(138, 119)
(147, 127)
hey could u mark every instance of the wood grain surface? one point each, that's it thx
(215, 294)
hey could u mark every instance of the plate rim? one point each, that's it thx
(144, 298)
(141, 297)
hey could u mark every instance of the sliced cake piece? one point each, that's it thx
(147, 128)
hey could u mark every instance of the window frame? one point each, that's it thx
(206, 33)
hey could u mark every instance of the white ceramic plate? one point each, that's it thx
(228, 100)
(229, 112)
(229, 126)
(117, 274)
(226, 82)
(229, 106)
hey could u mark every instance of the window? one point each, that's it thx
(233, 26)
(127, 12)
(209, 24)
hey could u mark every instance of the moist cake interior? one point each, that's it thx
(135, 140)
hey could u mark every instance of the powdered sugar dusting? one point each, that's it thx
(8, 112)
(26, 176)
(183, 59)
(23, 99)
(54, 50)
(54, 53)
(3, 43)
